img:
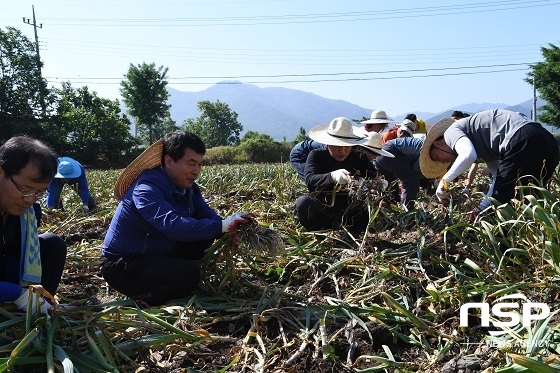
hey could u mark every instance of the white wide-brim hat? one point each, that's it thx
(339, 132)
(379, 117)
(430, 168)
(375, 144)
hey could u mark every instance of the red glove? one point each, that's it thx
(232, 222)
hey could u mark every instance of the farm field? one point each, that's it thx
(386, 301)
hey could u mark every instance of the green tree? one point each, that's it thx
(217, 125)
(89, 128)
(547, 82)
(145, 96)
(261, 147)
(164, 125)
(302, 135)
(20, 86)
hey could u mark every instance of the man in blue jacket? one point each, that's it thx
(162, 225)
(27, 166)
(70, 172)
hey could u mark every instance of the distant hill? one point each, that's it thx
(279, 112)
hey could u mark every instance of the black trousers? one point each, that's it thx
(155, 279)
(315, 215)
(532, 151)
(53, 257)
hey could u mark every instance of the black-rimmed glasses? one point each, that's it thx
(29, 193)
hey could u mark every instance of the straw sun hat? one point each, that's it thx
(431, 169)
(339, 132)
(374, 144)
(150, 158)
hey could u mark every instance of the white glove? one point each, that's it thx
(384, 184)
(466, 190)
(85, 208)
(231, 223)
(442, 190)
(340, 176)
(21, 303)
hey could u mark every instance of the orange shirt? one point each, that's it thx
(389, 135)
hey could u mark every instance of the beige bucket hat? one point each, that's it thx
(375, 144)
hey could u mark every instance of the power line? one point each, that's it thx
(310, 18)
(268, 50)
(327, 74)
(311, 81)
(366, 79)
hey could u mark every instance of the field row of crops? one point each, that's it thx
(296, 301)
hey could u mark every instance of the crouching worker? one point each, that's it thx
(70, 172)
(512, 147)
(27, 167)
(325, 207)
(404, 165)
(162, 224)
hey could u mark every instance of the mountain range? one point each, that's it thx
(280, 112)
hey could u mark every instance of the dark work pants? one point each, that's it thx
(316, 215)
(157, 279)
(532, 151)
(53, 258)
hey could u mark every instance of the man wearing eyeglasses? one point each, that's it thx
(27, 167)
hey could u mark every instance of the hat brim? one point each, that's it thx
(378, 151)
(407, 129)
(76, 169)
(150, 158)
(430, 168)
(319, 133)
(377, 121)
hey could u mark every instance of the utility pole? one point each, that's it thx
(534, 111)
(40, 75)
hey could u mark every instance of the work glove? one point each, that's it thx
(466, 190)
(384, 184)
(232, 222)
(85, 208)
(340, 176)
(442, 191)
(21, 303)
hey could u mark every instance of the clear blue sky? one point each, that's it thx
(400, 56)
